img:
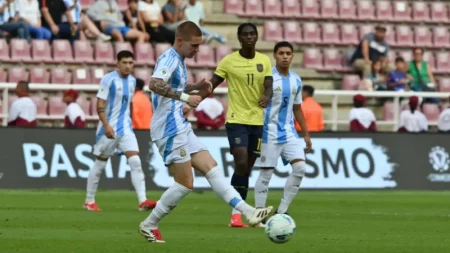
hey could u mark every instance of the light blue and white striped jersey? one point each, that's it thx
(8, 12)
(75, 11)
(118, 92)
(168, 119)
(278, 116)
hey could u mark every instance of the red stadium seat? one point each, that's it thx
(406, 54)
(330, 34)
(20, 50)
(40, 51)
(60, 75)
(104, 53)
(144, 74)
(11, 99)
(206, 74)
(161, 48)
(349, 34)
(16, 74)
(120, 46)
(272, 8)
(347, 10)
(56, 107)
(442, 62)
(312, 59)
(222, 51)
(404, 36)
(402, 12)
(205, 56)
(431, 111)
(311, 33)
(421, 12)
(123, 4)
(291, 8)
(2, 76)
(83, 52)
(86, 3)
(97, 74)
(4, 51)
(388, 111)
(391, 56)
(365, 29)
(439, 12)
(444, 84)
(310, 9)
(253, 8)
(292, 32)
(329, 9)
(350, 82)
(233, 7)
(422, 36)
(94, 106)
(390, 35)
(441, 38)
(272, 31)
(62, 51)
(41, 104)
(429, 58)
(144, 54)
(190, 62)
(85, 104)
(384, 10)
(190, 77)
(39, 75)
(81, 76)
(332, 60)
(366, 10)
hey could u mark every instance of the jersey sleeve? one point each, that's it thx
(103, 91)
(268, 67)
(165, 67)
(222, 69)
(13, 112)
(298, 96)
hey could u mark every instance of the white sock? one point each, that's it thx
(94, 177)
(227, 192)
(292, 185)
(234, 211)
(166, 203)
(137, 177)
(262, 187)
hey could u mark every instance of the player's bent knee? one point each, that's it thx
(299, 168)
(134, 162)
(129, 154)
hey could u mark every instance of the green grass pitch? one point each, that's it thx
(53, 221)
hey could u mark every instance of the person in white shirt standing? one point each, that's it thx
(29, 12)
(444, 121)
(23, 111)
(195, 12)
(412, 120)
(115, 131)
(361, 118)
(74, 116)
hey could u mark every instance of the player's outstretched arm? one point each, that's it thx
(162, 88)
(298, 114)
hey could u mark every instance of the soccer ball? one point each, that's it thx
(280, 228)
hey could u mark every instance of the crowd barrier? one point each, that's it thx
(61, 158)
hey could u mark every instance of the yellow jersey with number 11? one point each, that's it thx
(245, 79)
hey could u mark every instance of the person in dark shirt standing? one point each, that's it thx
(52, 12)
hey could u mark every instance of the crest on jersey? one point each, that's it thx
(259, 67)
(182, 152)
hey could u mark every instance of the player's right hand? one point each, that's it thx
(308, 143)
(109, 132)
(55, 29)
(194, 100)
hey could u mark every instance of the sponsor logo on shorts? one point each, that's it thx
(259, 67)
(182, 152)
(263, 158)
(237, 140)
(439, 160)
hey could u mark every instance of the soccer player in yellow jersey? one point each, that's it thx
(249, 77)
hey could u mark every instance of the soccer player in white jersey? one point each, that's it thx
(180, 148)
(279, 135)
(115, 132)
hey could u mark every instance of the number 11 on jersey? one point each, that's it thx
(250, 78)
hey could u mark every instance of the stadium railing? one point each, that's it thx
(334, 94)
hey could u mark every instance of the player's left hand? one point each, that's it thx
(308, 143)
(205, 85)
(264, 101)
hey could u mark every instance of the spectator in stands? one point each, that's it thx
(375, 80)
(195, 12)
(110, 18)
(142, 108)
(9, 20)
(362, 119)
(52, 18)
(399, 79)
(372, 48)
(312, 111)
(173, 14)
(29, 13)
(150, 12)
(412, 120)
(210, 114)
(23, 111)
(74, 116)
(444, 121)
(423, 78)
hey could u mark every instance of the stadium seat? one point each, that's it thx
(253, 8)
(97, 74)
(190, 62)
(16, 74)
(332, 60)
(349, 34)
(421, 12)
(292, 32)
(444, 84)
(311, 33)
(365, 29)
(347, 10)
(120, 46)
(310, 9)
(429, 58)
(312, 59)
(441, 38)
(291, 8)
(431, 111)
(272, 9)
(11, 99)
(439, 12)
(222, 51)
(2, 75)
(104, 53)
(40, 51)
(20, 50)
(406, 54)
(272, 31)
(85, 104)
(205, 56)
(442, 62)
(366, 10)
(56, 107)
(93, 106)
(404, 36)
(330, 34)
(60, 75)
(384, 10)
(144, 54)
(81, 76)
(329, 9)
(39, 75)
(388, 111)
(422, 36)
(233, 7)
(143, 74)
(190, 77)
(390, 35)
(86, 3)
(123, 4)
(350, 82)
(199, 75)
(402, 12)
(4, 51)
(41, 104)
(62, 51)
(391, 56)
(83, 52)
(160, 48)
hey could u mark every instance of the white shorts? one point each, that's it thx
(178, 148)
(108, 147)
(270, 152)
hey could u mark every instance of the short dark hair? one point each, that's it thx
(139, 84)
(132, 1)
(188, 29)
(243, 25)
(24, 84)
(124, 54)
(283, 44)
(308, 89)
(399, 59)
